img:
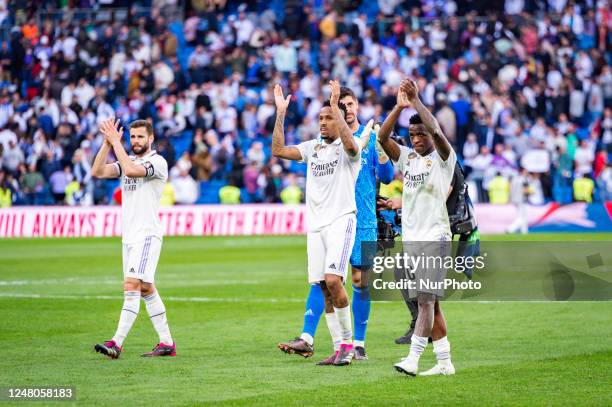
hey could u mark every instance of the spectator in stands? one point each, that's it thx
(605, 183)
(76, 194)
(481, 165)
(163, 75)
(250, 175)
(285, 57)
(499, 190)
(605, 127)
(186, 189)
(600, 161)
(500, 163)
(291, 194)
(583, 188)
(226, 119)
(59, 180)
(229, 194)
(167, 196)
(244, 28)
(6, 191)
(256, 154)
(583, 158)
(7, 135)
(12, 157)
(32, 184)
(470, 151)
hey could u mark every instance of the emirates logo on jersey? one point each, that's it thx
(323, 169)
(130, 184)
(413, 181)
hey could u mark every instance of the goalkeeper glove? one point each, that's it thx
(382, 156)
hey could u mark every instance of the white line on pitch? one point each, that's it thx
(169, 298)
(88, 281)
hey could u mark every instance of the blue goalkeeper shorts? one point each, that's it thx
(362, 235)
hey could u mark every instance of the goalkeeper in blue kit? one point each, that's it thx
(374, 164)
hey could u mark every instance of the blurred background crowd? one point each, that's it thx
(515, 84)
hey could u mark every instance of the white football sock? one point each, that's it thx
(157, 313)
(334, 329)
(308, 338)
(345, 321)
(417, 346)
(129, 312)
(441, 348)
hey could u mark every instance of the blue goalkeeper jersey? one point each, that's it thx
(365, 187)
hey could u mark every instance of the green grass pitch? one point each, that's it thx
(230, 300)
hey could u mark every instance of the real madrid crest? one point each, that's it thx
(428, 164)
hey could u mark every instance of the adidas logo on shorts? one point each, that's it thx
(332, 266)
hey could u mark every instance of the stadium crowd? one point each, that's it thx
(526, 86)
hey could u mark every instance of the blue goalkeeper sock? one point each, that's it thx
(361, 313)
(315, 305)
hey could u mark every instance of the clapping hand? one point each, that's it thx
(282, 103)
(111, 130)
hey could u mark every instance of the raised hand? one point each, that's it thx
(411, 89)
(334, 98)
(382, 156)
(111, 130)
(282, 103)
(402, 98)
(366, 133)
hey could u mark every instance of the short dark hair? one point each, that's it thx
(136, 124)
(346, 91)
(342, 107)
(415, 119)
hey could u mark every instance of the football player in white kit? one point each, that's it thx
(333, 164)
(143, 177)
(427, 170)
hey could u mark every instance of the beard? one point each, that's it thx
(138, 150)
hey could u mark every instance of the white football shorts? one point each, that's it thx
(140, 259)
(329, 248)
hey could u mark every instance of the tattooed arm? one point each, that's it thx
(278, 137)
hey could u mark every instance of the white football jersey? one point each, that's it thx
(427, 180)
(330, 181)
(140, 199)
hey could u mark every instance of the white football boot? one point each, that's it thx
(445, 369)
(407, 366)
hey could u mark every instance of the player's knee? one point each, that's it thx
(356, 276)
(426, 300)
(146, 289)
(131, 284)
(333, 282)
